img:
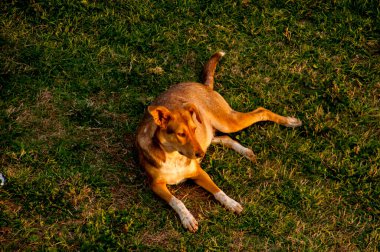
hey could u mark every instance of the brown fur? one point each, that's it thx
(178, 128)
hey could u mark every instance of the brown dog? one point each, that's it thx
(179, 127)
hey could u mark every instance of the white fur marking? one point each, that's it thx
(293, 122)
(248, 153)
(187, 219)
(177, 168)
(229, 203)
(145, 130)
(239, 148)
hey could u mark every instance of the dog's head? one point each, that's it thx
(176, 129)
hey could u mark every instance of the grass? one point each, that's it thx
(77, 76)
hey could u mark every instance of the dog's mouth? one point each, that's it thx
(194, 156)
(183, 154)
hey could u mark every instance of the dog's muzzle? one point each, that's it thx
(199, 154)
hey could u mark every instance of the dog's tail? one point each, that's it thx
(209, 69)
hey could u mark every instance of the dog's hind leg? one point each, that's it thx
(235, 145)
(228, 120)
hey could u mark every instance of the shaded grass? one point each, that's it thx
(76, 78)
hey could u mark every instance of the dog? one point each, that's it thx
(180, 125)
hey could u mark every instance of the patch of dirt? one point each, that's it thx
(5, 233)
(42, 117)
(237, 244)
(196, 199)
(123, 195)
(163, 238)
(9, 207)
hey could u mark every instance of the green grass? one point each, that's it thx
(77, 76)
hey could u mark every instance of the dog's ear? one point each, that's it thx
(193, 109)
(161, 115)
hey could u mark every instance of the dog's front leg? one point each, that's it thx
(187, 219)
(204, 180)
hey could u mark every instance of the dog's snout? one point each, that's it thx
(199, 154)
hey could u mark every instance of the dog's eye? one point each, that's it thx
(181, 134)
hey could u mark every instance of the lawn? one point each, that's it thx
(76, 77)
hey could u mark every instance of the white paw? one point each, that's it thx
(293, 122)
(233, 206)
(189, 222)
(187, 219)
(248, 153)
(229, 203)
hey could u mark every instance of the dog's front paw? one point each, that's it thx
(229, 203)
(189, 222)
(187, 219)
(234, 206)
(293, 122)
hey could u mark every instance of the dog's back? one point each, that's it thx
(200, 94)
(189, 92)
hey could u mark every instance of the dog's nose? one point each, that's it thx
(199, 154)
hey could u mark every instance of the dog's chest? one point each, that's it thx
(177, 168)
